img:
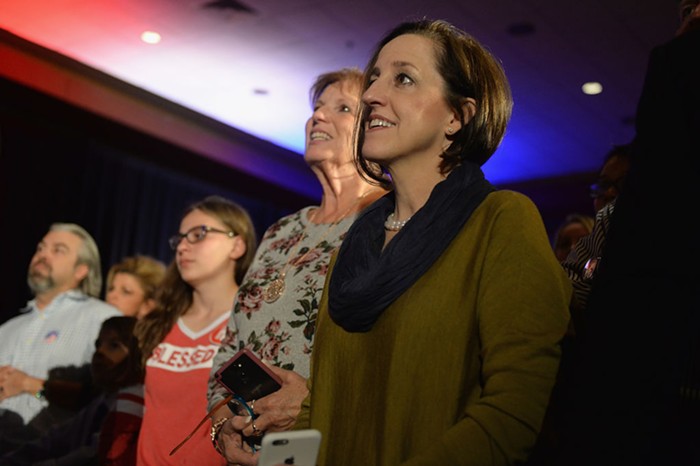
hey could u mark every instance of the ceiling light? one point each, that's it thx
(229, 5)
(592, 88)
(150, 37)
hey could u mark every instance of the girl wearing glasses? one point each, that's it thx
(179, 338)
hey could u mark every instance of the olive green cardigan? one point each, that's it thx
(459, 369)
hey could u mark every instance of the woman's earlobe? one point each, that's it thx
(239, 248)
(146, 307)
(469, 109)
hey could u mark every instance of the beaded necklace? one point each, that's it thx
(392, 224)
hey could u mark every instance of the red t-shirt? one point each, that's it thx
(177, 374)
(120, 429)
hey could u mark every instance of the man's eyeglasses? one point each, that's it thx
(196, 234)
(601, 187)
(686, 8)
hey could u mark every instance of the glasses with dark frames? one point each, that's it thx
(686, 9)
(196, 234)
(602, 186)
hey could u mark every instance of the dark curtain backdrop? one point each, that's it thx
(61, 164)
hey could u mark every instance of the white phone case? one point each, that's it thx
(297, 447)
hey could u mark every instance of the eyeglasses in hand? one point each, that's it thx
(240, 407)
(196, 234)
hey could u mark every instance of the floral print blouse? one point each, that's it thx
(281, 332)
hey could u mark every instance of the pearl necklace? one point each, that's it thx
(394, 225)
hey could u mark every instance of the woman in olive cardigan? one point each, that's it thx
(439, 328)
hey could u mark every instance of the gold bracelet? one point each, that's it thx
(209, 415)
(215, 429)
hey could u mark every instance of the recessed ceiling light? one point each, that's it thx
(229, 5)
(150, 37)
(592, 88)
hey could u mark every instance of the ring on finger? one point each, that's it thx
(256, 432)
(252, 407)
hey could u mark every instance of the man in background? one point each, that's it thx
(612, 175)
(637, 386)
(57, 328)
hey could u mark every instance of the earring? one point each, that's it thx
(450, 130)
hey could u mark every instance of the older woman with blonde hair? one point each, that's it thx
(132, 284)
(277, 304)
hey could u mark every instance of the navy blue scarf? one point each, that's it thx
(366, 280)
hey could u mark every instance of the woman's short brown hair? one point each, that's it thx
(469, 71)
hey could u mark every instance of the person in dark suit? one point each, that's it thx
(637, 390)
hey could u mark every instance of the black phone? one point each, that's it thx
(245, 375)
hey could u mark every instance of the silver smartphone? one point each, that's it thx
(297, 447)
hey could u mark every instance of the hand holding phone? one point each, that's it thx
(247, 376)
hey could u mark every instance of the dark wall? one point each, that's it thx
(61, 164)
(557, 197)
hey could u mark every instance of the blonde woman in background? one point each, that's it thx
(574, 227)
(132, 284)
